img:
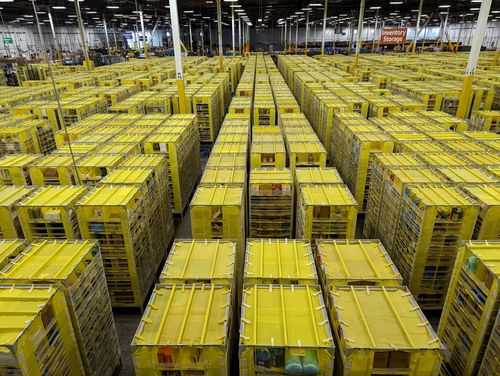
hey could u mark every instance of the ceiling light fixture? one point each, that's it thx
(444, 6)
(375, 7)
(58, 7)
(113, 7)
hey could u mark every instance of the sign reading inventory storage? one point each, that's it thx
(393, 35)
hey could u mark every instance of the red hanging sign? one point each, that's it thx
(396, 35)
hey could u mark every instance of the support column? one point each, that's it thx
(290, 37)
(106, 33)
(466, 93)
(285, 36)
(417, 26)
(179, 72)
(219, 32)
(297, 37)
(54, 36)
(239, 35)
(307, 31)
(202, 35)
(323, 35)
(210, 35)
(375, 30)
(232, 32)
(88, 64)
(190, 37)
(360, 33)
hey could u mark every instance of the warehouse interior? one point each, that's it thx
(249, 187)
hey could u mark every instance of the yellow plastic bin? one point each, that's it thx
(10, 223)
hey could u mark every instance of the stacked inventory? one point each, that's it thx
(118, 217)
(200, 261)
(390, 199)
(279, 261)
(380, 331)
(471, 306)
(49, 213)
(37, 336)
(157, 204)
(185, 329)
(181, 147)
(433, 219)
(379, 166)
(486, 121)
(10, 224)
(76, 266)
(488, 221)
(206, 105)
(271, 203)
(268, 154)
(325, 212)
(284, 329)
(491, 361)
(224, 175)
(218, 212)
(54, 169)
(316, 175)
(15, 169)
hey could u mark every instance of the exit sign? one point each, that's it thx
(7, 40)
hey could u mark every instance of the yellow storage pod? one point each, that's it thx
(118, 217)
(379, 166)
(443, 159)
(206, 105)
(488, 222)
(267, 154)
(49, 213)
(93, 168)
(279, 261)
(75, 266)
(182, 152)
(10, 224)
(471, 306)
(77, 148)
(467, 175)
(361, 150)
(200, 261)
(218, 212)
(417, 147)
(355, 263)
(316, 175)
(464, 146)
(9, 250)
(227, 160)
(382, 331)
(19, 139)
(482, 159)
(486, 121)
(325, 212)
(185, 329)
(15, 169)
(157, 202)
(284, 329)
(271, 203)
(56, 169)
(490, 363)
(306, 154)
(36, 318)
(222, 175)
(125, 149)
(432, 222)
(391, 199)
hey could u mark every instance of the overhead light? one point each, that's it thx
(189, 11)
(113, 7)
(444, 6)
(91, 12)
(476, 1)
(495, 11)
(299, 12)
(259, 20)
(396, 2)
(235, 6)
(167, 6)
(474, 8)
(6, 1)
(58, 7)
(315, 5)
(72, 16)
(308, 9)
(231, 1)
(375, 7)
(206, 18)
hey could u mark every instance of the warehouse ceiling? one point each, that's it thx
(261, 13)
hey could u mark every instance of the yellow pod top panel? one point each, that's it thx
(482, 135)
(128, 176)
(97, 160)
(18, 160)
(467, 175)
(218, 195)
(9, 249)
(112, 195)
(385, 318)
(413, 175)
(284, 316)
(443, 159)
(199, 260)
(279, 258)
(483, 158)
(485, 194)
(327, 195)
(19, 305)
(306, 147)
(317, 175)
(437, 195)
(270, 176)
(396, 159)
(487, 252)
(10, 195)
(55, 196)
(77, 148)
(222, 175)
(144, 160)
(356, 260)
(49, 260)
(189, 315)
